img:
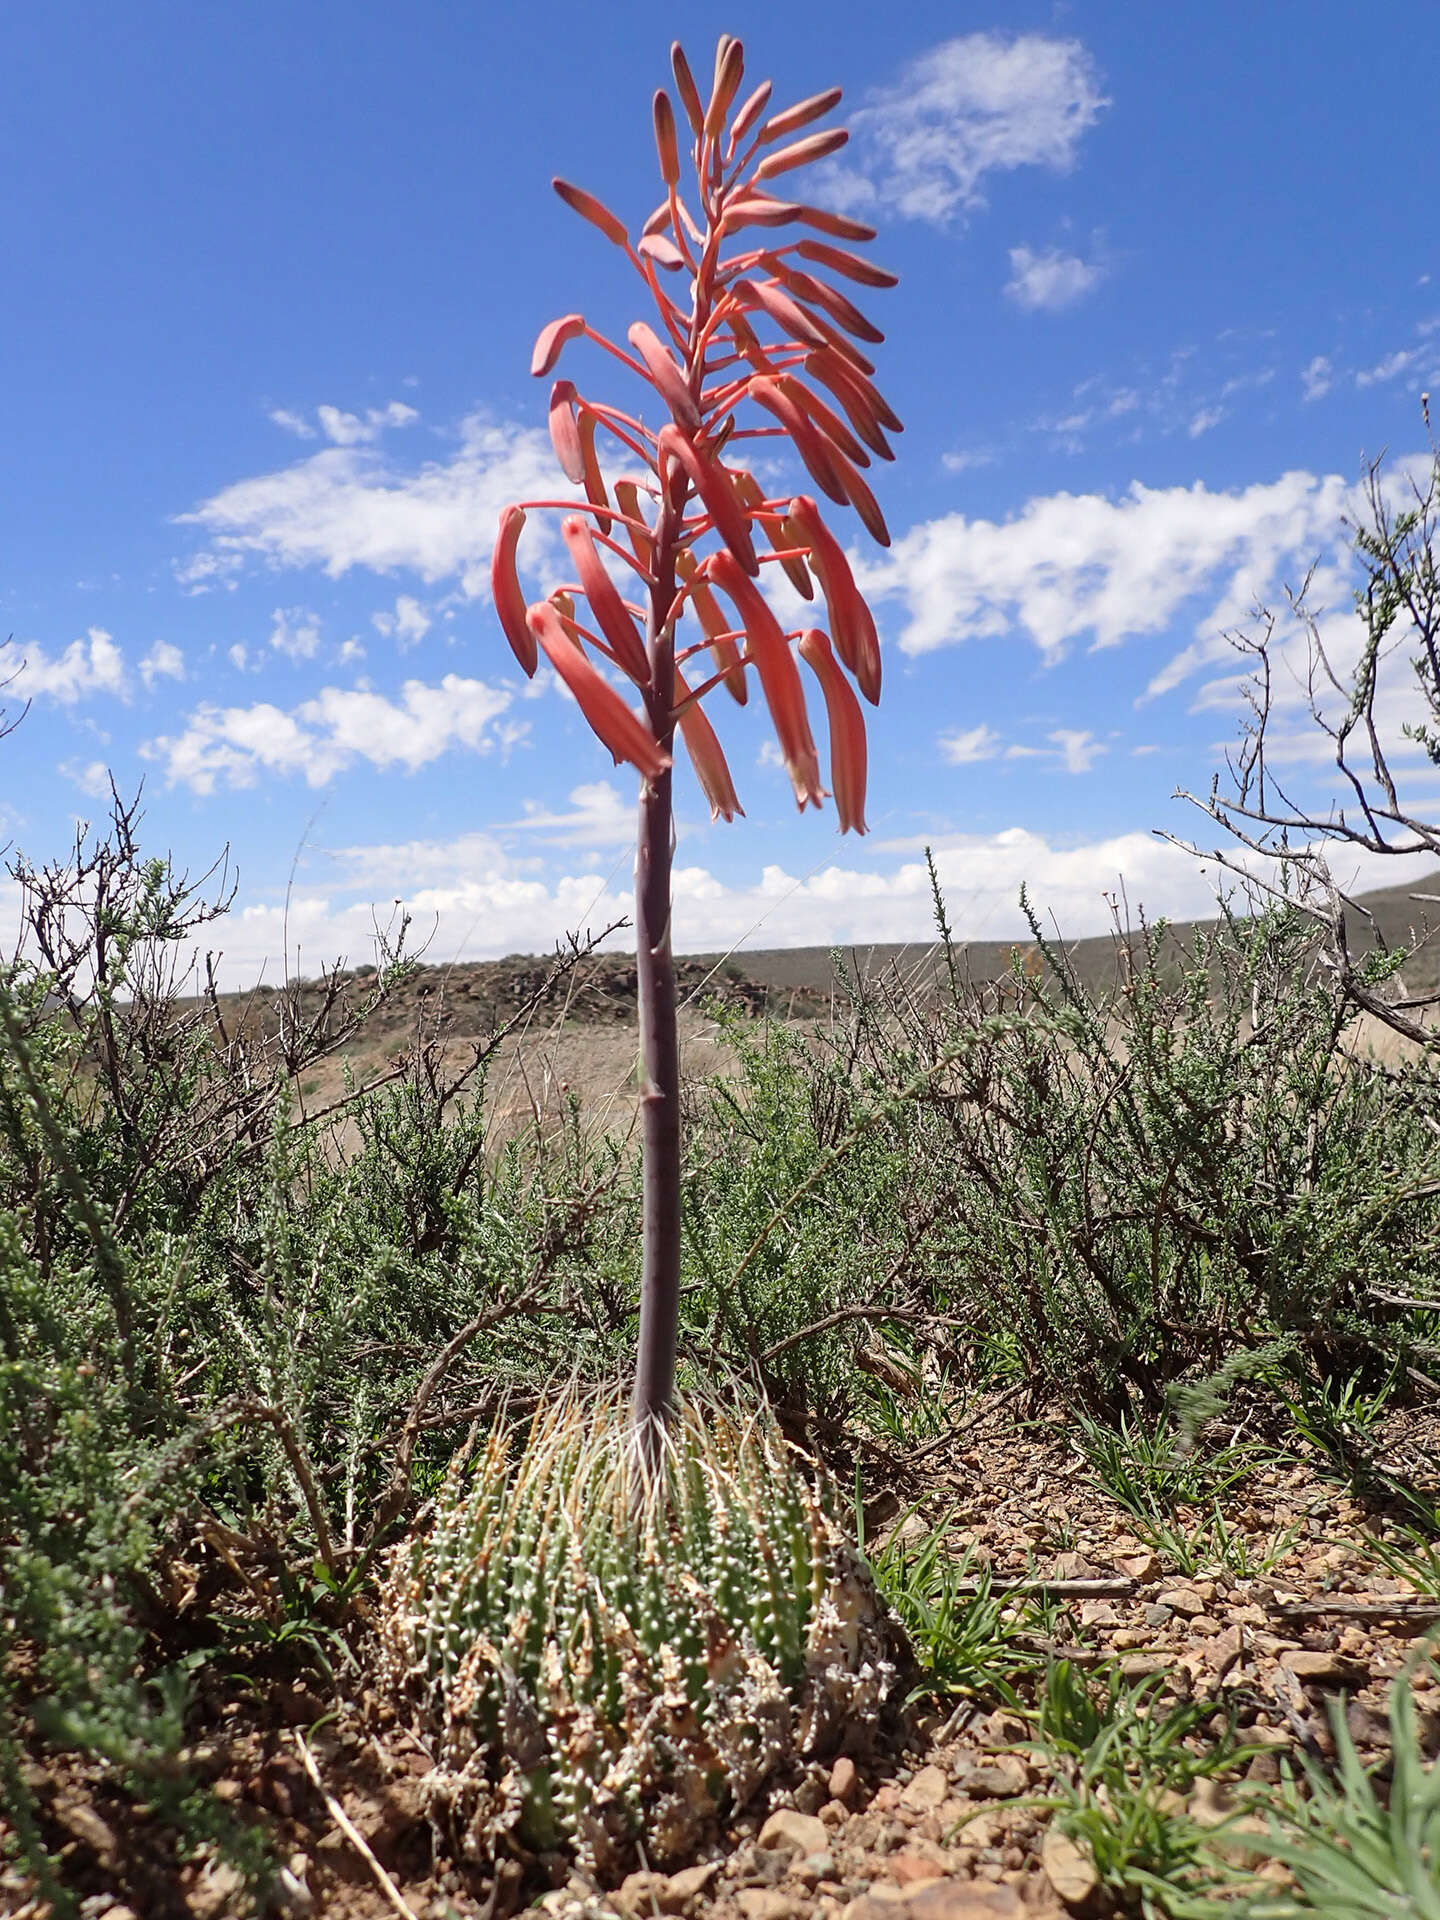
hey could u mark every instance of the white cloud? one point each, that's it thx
(599, 816)
(325, 735)
(91, 776)
(89, 666)
(1070, 566)
(1046, 282)
(974, 744)
(295, 632)
(978, 104)
(1078, 751)
(408, 624)
(203, 572)
(354, 429)
(346, 507)
(1204, 420)
(163, 662)
(967, 458)
(238, 656)
(295, 423)
(1389, 368)
(481, 903)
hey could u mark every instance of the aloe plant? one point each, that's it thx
(601, 1655)
(761, 346)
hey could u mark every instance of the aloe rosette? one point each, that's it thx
(603, 1657)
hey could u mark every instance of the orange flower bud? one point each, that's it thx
(605, 603)
(816, 146)
(838, 225)
(850, 264)
(712, 483)
(750, 112)
(565, 432)
(668, 380)
(505, 590)
(789, 317)
(779, 125)
(714, 626)
(729, 70)
(847, 731)
(621, 731)
(665, 142)
(751, 492)
(850, 618)
(551, 339)
(706, 755)
(593, 480)
(779, 677)
(812, 446)
(627, 498)
(685, 86)
(591, 209)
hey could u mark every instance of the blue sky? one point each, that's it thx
(1168, 276)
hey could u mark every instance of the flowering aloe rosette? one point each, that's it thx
(761, 345)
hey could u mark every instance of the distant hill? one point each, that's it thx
(1395, 911)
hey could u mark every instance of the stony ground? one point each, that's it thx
(956, 1825)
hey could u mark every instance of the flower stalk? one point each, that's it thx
(738, 360)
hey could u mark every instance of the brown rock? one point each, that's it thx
(999, 1779)
(788, 1831)
(1182, 1600)
(687, 1885)
(927, 1790)
(962, 1900)
(1069, 1867)
(1323, 1669)
(910, 1869)
(79, 1818)
(833, 1814)
(768, 1903)
(844, 1781)
(1138, 1566)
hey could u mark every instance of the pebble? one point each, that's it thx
(789, 1831)
(927, 1790)
(844, 1782)
(1322, 1669)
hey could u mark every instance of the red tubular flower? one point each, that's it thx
(850, 618)
(605, 602)
(848, 750)
(706, 755)
(565, 431)
(668, 380)
(552, 339)
(779, 677)
(624, 733)
(714, 626)
(505, 590)
(712, 483)
(589, 208)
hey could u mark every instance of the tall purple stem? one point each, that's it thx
(659, 1033)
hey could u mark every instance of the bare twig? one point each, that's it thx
(353, 1834)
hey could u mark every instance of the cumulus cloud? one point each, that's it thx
(967, 748)
(1204, 420)
(1046, 282)
(164, 661)
(407, 625)
(978, 104)
(295, 423)
(295, 632)
(482, 902)
(233, 746)
(349, 506)
(598, 816)
(1069, 566)
(1390, 368)
(1317, 378)
(1078, 750)
(88, 666)
(356, 429)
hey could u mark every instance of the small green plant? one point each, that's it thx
(1153, 1469)
(967, 1639)
(1354, 1854)
(1213, 1545)
(608, 1657)
(1123, 1763)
